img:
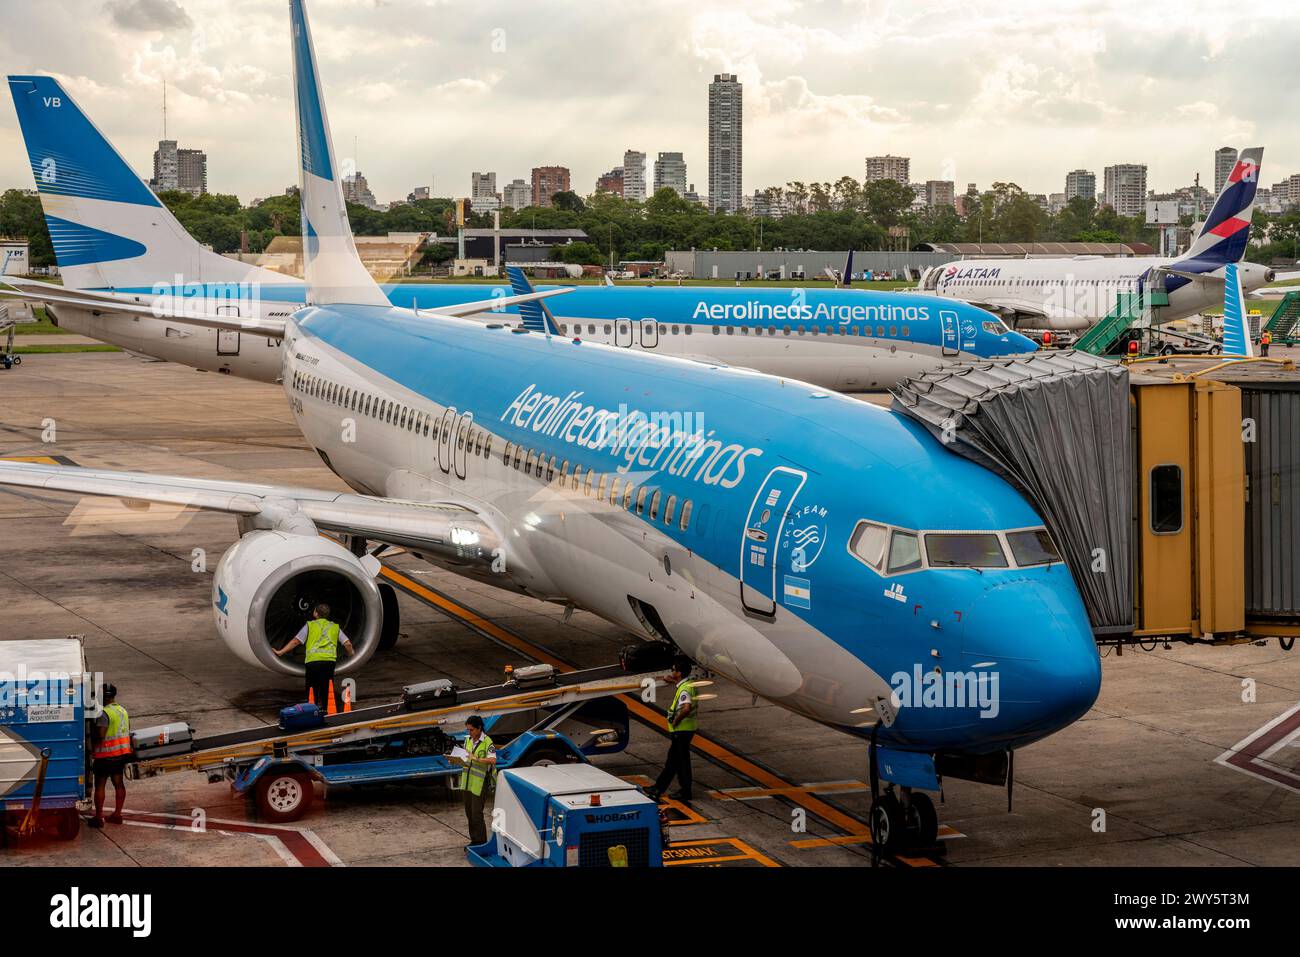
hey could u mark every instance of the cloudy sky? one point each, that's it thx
(973, 91)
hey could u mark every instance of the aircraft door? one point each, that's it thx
(463, 429)
(762, 537)
(949, 333)
(623, 332)
(649, 333)
(228, 339)
(445, 440)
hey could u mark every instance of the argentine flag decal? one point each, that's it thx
(798, 592)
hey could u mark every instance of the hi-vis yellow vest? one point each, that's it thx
(117, 736)
(322, 641)
(689, 722)
(475, 773)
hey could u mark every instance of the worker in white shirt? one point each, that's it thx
(322, 638)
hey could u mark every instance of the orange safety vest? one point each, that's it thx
(117, 737)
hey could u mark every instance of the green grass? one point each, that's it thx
(61, 350)
(41, 327)
(666, 283)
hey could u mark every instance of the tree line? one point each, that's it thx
(845, 214)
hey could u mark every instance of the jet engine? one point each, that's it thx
(267, 584)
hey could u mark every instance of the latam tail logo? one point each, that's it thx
(1245, 171)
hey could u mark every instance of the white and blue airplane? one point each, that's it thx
(116, 243)
(828, 555)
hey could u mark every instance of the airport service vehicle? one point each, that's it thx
(1078, 292)
(538, 716)
(44, 735)
(813, 548)
(117, 243)
(573, 815)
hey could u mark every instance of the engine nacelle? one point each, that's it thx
(267, 584)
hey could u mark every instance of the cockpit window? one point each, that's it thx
(995, 327)
(868, 543)
(965, 550)
(1033, 546)
(904, 552)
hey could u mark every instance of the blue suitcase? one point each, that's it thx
(301, 717)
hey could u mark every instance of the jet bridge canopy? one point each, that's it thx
(1057, 426)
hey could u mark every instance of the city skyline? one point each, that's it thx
(493, 101)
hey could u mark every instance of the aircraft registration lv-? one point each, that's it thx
(829, 555)
(117, 244)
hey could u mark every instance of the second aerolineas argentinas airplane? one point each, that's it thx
(808, 546)
(113, 238)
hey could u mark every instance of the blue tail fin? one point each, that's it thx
(534, 313)
(1236, 328)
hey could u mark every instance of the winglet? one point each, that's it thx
(847, 279)
(331, 266)
(535, 315)
(1236, 329)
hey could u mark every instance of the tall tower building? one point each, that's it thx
(1126, 188)
(483, 192)
(1225, 158)
(670, 172)
(889, 167)
(726, 143)
(185, 170)
(634, 175)
(517, 195)
(1081, 182)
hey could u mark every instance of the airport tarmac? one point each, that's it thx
(1143, 779)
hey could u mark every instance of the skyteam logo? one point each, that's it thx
(805, 536)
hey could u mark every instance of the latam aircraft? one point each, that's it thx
(819, 551)
(116, 242)
(1074, 293)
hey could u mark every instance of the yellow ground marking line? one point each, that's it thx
(945, 833)
(758, 794)
(650, 716)
(32, 459)
(747, 852)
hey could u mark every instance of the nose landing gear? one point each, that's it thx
(901, 818)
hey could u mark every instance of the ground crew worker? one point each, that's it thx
(112, 741)
(1265, 340)
(322, 638)
(477, 777)
(682, 723)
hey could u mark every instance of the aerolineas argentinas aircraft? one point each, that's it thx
(814, 549)
(115, 241)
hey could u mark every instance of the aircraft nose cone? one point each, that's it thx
(1037, 637)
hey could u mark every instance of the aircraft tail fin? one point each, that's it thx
(1226, 230)
(334, 272)
(1236, 327)
(536, 316)
(108, 229)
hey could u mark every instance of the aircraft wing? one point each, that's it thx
(398, 522)
(166, 307)
(1005, 307)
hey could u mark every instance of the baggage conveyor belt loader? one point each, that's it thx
(408, 740)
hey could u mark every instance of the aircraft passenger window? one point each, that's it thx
(654, 505)
(1032, 547)
(627, 495)
(785, 330)
(686, 515)
(519, 456)
(487, 448)
(478, 443)
(814, 330)
(1166, 499)
(844, 331)
(675, 330)
(615, 490)
(906, 332)
(531, 462)
(744, 330)
(904, 552)
(604, 483)
(853, 331)
(717, 330)
(687, 330)
(577, 478)
(868, 543)
(586, 488)
(893, 330)
(640, 500)
(880, 332)
(591, 329)
(731, 330)
(437, 430)
(425, 428)
(669, 509)
(401, 420)
(799, 329)
(564, 473)
(965, 550)
(564, 328)
(541, 466)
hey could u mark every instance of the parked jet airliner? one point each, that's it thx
(118, 241)
(815, 549)
(1074, 293)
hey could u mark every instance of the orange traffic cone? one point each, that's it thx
(330, 708)
(347, 699)
(311, 696)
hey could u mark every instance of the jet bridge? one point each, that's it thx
(1056, 426)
